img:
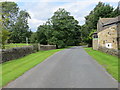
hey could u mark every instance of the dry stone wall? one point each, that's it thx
(18, 52)
(15, 53)
(47, 47)
(95, 44)
(118, 35)
(109, 51)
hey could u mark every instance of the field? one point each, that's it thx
(8, 46)
(15, 68)
(109, 62)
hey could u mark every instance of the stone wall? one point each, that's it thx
(15, 53)
(95, 43)
(108, 38)
(47, 47)
(118, 29)
(109, 51)
(18, 52)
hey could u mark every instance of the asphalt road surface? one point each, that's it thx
(69, 68)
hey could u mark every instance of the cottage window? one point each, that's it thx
(95, 35)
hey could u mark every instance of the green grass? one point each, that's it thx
(109, 62)
(8, 46)
(0, 75)
(15, 68)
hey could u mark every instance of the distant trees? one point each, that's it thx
(61, 30)
(101, 10)
(15, 21)
(10, 12)
(7, 20)
(21, 29)
(33, 38)
(116, 12)
(42, 34)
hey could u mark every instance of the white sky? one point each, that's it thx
(41, 10)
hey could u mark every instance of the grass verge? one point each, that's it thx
(109, 62)
(15, 68)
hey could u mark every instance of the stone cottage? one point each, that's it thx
(107, 37)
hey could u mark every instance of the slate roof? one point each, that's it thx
(109, 21)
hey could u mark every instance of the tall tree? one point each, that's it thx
(65, 28)
(21, 28)
(116, 12)
(41, 37)
(33, 38)
(61, 29)
(15, 21)
(101, 10)
(10, 12)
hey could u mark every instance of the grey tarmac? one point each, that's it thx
(69, 68)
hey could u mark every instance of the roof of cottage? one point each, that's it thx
(109, 21)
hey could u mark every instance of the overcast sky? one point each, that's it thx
(41, 10)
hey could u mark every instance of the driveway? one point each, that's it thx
(69, 68)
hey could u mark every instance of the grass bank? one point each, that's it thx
(15, 68)
(109, 62)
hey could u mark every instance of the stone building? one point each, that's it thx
(107, 37)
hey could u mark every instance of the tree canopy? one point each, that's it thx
(9, 14)
(15, 21)
(21, 29)
(101, 10)
(61, 30)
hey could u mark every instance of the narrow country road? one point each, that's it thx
(69, 68)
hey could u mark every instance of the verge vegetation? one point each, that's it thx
(109, 62)
(15, 68)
